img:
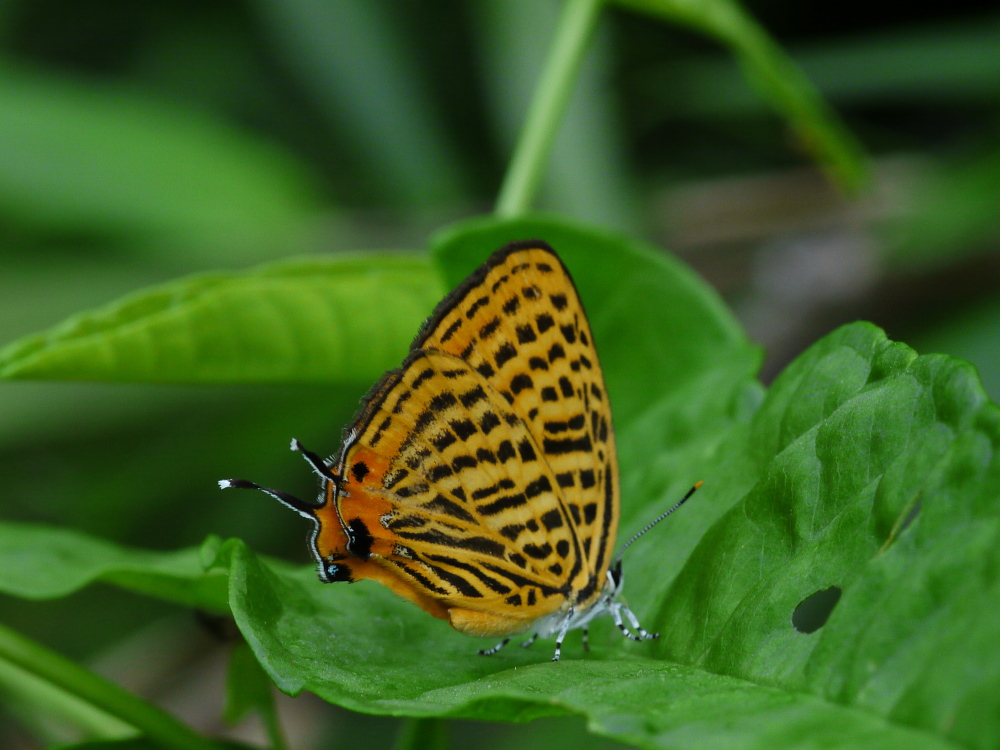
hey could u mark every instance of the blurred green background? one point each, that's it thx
(143, 141)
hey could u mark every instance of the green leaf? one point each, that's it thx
(43, 562)
(813, 491)
(775, 76)
(313, 320)
(83, 156)
(943, 65)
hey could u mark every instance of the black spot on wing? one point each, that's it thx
(442, 401)
(503, 503)
(422, 378)
(479, 544)
(489, 328)
(552, 519)
(464, 461)
(419, 577)
(474, 308)
(490, 582)
(461, 585)
(451, 330)
(488, 422)
(360, 470)
(553, 447)
(359, 539)
(537, 487)
(443, 440)
(403, 398)
(504, 354)
(538, 553)
(472, 397)
(506, 451)
(521, 382)
(526, 451)
(565, 386)
(419, 488)
(512, 531)
(393, 478)
(464, 428)
(439, 472)
(380, 431)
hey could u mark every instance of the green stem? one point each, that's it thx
(156, 725)
(422, 734)
(272, 725)
(562, 67)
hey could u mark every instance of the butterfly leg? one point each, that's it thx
(562, 633)
(527, 643)
(586, 639)
(643, 633)
(616, 615)
(491, 651)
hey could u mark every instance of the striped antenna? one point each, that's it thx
(659, 518)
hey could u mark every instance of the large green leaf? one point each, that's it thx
(315, 320)
(813, 492)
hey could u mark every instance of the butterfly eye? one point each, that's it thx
(335, 573)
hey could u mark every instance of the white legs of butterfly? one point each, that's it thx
(560, 623)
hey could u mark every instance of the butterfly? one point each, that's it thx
(480, 479)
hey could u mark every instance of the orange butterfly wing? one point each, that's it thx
(480, 480)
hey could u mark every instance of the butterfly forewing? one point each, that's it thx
(518, 321)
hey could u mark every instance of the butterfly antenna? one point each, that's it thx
(299, 506)
(659, 518)
(317, 463)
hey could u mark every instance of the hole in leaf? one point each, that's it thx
(812, 612)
